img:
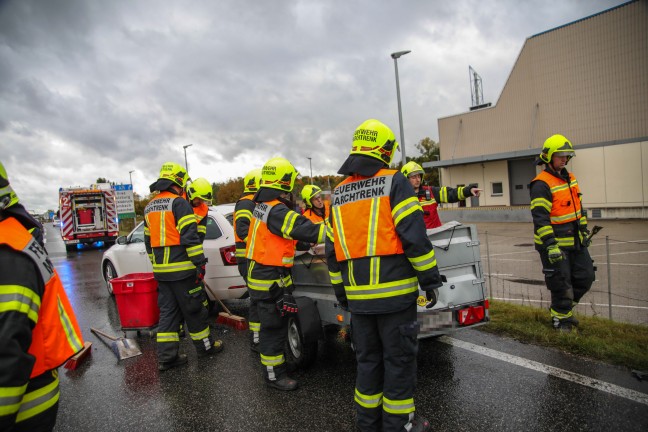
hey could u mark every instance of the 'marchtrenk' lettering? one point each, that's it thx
(361, 190)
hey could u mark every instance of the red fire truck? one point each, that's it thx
(88, 215)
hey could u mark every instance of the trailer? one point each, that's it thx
(88, 215)
(462, 300)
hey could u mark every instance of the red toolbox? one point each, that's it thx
(136, 296)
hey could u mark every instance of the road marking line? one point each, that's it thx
(579, 304)
(613, 389)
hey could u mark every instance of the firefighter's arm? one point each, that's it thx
(187, 227)
(243, 218)
(21, 291)
(335, 272)
(410, 227)
(541, 204)
(201, 227)
(452, 195)
(147, 241)
(289, 224)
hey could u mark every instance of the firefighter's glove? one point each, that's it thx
(432, 296)
(586, 242)
(287, 304)
(340, 295)
(554, 254)
(201, 269)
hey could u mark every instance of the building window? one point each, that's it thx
(496, 189)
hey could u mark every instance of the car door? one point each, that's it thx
(132, 258)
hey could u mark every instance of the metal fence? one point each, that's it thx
(513, 274)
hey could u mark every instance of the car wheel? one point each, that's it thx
(298, 352)
(109, 273)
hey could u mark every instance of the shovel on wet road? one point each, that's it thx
(122, 347)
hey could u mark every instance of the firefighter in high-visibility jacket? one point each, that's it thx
(179, 265)
(431, 196)
(378, 254)
(200, 196)
(38, 328)
(560, 232)
(242, 218)
(317, 210)
(270, 250)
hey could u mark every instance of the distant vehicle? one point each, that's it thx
(88, 215)
(56, 223)
(129, 256)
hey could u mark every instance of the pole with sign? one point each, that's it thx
(125, 201)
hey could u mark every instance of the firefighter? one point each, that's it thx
(179, 264)
(38, 328)
(200, 196)
(242, 218)
(431, 196)
(560, 232)
(317, 210)
(378, 254)
(270, 250)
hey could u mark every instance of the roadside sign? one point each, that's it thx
(125, 201)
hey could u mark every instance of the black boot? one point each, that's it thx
(180, 360)
(284, 383)
(217, 346)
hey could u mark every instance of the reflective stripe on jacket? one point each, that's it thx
(556, 210)
(171, 237)
(265, 247)
(431, 196)
(56, 335)
(201, 213)
(242, 219)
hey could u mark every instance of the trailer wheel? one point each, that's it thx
(298, 353)
(109, 273)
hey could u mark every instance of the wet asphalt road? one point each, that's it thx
(458, 389)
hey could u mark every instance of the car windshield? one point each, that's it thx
(213, 230)
(137, 235)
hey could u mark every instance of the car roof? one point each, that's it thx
(223, 209)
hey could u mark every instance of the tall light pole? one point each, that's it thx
(130, 174)
(311, 169)
(395, 56)
(185, 151)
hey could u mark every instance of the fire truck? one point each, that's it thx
(88, 215)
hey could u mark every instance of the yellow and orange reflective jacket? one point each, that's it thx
(265, 247)
(556, 209)
(201, 213)
(314, 217)
(242, 219)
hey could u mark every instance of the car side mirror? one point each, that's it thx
(121, 240)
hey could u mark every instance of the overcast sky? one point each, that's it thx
(94, 89)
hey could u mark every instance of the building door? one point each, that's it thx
(521, 172)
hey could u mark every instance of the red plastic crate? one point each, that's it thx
(136, 296)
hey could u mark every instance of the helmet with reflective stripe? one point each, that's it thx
(7, 195)
(174, 172)
(200, 188)
(411, 168)
(375, 139)
(252, 180)
(308, 193)
(278, 173)
(556, 145)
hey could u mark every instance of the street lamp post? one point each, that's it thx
(395, 56)
(185, 152)
(130, 174)
(311, 169)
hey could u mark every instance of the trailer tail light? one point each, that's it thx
(228, 254)
(471, 315)
(486, 304)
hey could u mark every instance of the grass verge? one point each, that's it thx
(597, 338)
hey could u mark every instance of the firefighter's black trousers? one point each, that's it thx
(569, 279)
(386, 347)
(253, 316)
(272, 339)
(181, 301)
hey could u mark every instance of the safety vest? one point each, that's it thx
(265, 247)
(56, 336)
(566, 205)
(429, 205)
(362, 217)
(161, 221)
(314, 217)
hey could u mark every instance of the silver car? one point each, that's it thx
(128, 255)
